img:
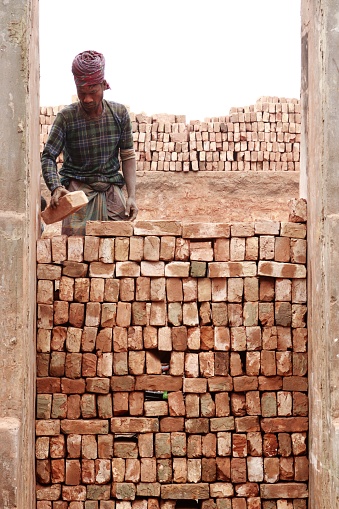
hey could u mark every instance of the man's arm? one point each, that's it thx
(128, 167)
(50, 153)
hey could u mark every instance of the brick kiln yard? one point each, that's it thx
(212, 314)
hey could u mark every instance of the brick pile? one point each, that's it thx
(260, 137)
(212, 316)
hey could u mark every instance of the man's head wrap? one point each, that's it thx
(88, 68)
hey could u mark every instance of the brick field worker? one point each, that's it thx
(93, 135)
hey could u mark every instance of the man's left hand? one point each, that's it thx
(131, 210)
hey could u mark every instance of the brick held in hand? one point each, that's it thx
(68, 204)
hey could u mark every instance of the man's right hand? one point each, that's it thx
(56, 195)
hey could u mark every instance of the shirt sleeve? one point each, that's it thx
(53, 147)
(126, 138)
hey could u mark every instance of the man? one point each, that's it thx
(92, 134)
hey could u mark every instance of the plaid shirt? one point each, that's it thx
(90, 146)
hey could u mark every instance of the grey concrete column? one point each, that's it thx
(320, 106)
(19, 203)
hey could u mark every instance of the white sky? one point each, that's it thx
(185, 57)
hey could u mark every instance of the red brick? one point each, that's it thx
(73, 472)
(268, 363)
(273, 383)
(271, 470)
(185, 491)
(284, 424)
(238, 404)
(48, 385)
(245, 383)
(295, 383)
(238, 470)
(247, 423)
(270, 445)
(301, 468)
(299, 443)
(286, 469)
(81, 427)
(134, 425)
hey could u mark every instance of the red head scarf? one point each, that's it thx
(88, 68)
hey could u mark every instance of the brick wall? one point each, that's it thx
(211, 315)
(260, 137)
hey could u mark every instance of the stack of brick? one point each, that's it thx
(172, 366)
(261, 137)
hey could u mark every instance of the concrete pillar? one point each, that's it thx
(19, 205)
(320, 106)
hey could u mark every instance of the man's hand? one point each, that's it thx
(56, 195)
(131, 210)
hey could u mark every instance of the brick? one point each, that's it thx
(87, 427)
(118, 469)
(232, 269)
(220, 384)
(298, 210)
(81, 289)
(48, 427)
(299, 443)
(238, 470)
(44, 252)
(284, 424)
(251, 248)
(73, 446)
(299, 312)
(109, 228)
(295, 383)
(283, 490)
(282, 252)
(207, 405)
(238, 404)
(205, 230)
(245, 383)
(124, 314)
(88, 407)
(284, 403)
(294, 230)
(247, 424)
(134, 425)
(74, 269)
(270, 445)
(157, 227)
(267, 228)
(200, 425)
(158, 292)
(45, 316)
(57, 446)
(151, 248)
(145, 489)
(43, 341)
(298, 250)
(155, 408)
(281, 270)
(46, 271)
(98, 492)
(57, 471)
(48, 492)
(43, 471)
(221, 424)
(271, 470)
(221, 249)
(123, 491)
(91, 249)
(45, 292)
(167, 248)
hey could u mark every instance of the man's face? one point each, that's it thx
(90, 97)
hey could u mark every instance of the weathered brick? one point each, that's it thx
(283, 490)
